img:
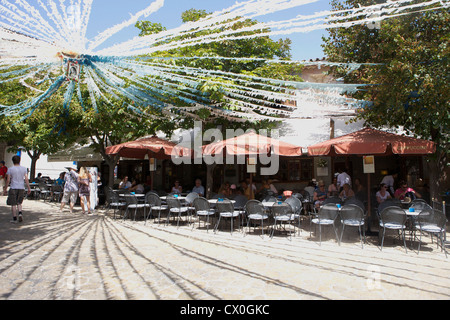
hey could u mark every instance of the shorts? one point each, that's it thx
(69, 195)
(15, 197)
(2, 183)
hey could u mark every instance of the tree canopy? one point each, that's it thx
(409, 87)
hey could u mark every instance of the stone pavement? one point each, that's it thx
(53, 255)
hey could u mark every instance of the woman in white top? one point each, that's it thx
(125, 184)
(177, 188)
(383, 194)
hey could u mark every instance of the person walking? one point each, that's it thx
(84, 179)
(70, 189)
(94, 187)
(16, 177)
(3, 171)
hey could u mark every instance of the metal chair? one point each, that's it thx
(133, 203)
(432, 222)
(353, 215)
(296, 206)
(44, 191)
(154, 202)
(175, 207)
(393, 218)
(113, 201)
(203, 209)
(189, 201)
(326, 216)
(255, 210)
(226, 211)
(57, 193)
(281, 212)
(419, 204)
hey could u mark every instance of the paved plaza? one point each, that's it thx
(53, 256)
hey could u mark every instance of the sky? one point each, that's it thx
(107, 13)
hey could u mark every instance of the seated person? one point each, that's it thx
(137, 187)
(332, 188)
(346, 192)
(268, 188)
(383, 194)
(224, 191)
(198, 188)
(405, 191)
(60, 180)
(125, 184)
(246, 190)
(177, 188)
(320, 194)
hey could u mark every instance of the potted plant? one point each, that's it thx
(322, 167)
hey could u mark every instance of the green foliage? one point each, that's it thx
(193, 15)
(148, 27)
(410, 87)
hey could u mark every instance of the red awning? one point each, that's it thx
(154, 147)
(252, 144)
(372, 142)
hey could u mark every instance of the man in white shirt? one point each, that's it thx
(389, 182)
(17, 178)
(342, 179)
(198, 188)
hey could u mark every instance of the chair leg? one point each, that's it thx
(342, 232)
(335, 231)
(382, 240)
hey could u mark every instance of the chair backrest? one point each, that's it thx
(111, 196)
(419, 204)
(355, 201)
(241, 200)
(429, 216)
(43, 186)
(201, 204)
(191, 197)
(389, 203)
(297, 195)
(328, 211)
(173, 202)
(352, 212)
(281, 209)
(225, 206)
(131, 199)
(254, 207)
(295, 204)
(152, 199)
(269, 199)
(393, 214)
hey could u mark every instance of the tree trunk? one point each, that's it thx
(111, 161)
(438, 176)
(34, 156)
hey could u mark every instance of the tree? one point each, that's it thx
(410, 87)
(45, 131)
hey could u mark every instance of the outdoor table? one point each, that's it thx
(214, 201)
(268, 204)
(137, 195)
(411, 217)
(179, 198)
